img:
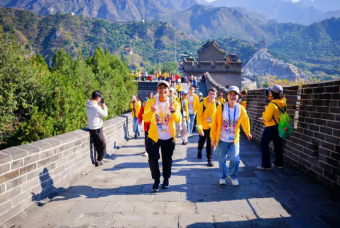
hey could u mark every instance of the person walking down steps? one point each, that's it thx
(162, 115)
(185, 117)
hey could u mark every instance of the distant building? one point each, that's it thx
(261, 45)
(211, 58)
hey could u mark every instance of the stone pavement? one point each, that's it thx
(118, 194)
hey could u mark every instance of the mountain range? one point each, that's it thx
(303, 12)
(182, 11)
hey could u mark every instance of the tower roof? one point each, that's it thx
(211, 44)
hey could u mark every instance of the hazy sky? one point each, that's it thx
(215, 0)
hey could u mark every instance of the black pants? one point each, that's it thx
(98, 139)
(271, 134)
(146, 141)
(194, 128)
(201, 142)
(179, 94)
(167, 149)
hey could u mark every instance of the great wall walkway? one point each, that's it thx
(118, 194)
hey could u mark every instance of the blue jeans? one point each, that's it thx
(190, 123)
(227, 150)
(135, 125)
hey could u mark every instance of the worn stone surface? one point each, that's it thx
(118, 194)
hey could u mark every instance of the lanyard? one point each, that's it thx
(191, 101)
(160, 110)
(234, 122)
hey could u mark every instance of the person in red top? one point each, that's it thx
(150, 78)
(146, 124)
(177, 77)
(172, 78)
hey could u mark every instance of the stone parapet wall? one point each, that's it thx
(219, 81)
(314, 147)
(33, 171)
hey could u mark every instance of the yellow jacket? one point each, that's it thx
(210, 110)
(186, 109)
(216, 125)
(273, 110)
(196, 102)
(149, 116)
(179, 88)
(177, 99)
(138, 106)
(221, 100)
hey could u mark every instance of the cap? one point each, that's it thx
(146, 99)
(233, 88)
(172, 89)
(184, 92)
(199, 94)
(276, 88)
(163, 83)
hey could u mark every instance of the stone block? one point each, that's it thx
(211, 208)
(46, 154)
(10, 213)
(308, 209)
(28, 168)
(129, 220)
(196, 221)
(180, 208)
(4, 168)
(31, 159)
(119, 207)
(149, 208)
(4, 158)
(161, 221)
(44, 162)
(89, 207)
(15, 182)
(15, 153)
(9, 176)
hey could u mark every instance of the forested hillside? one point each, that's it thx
(37, 101)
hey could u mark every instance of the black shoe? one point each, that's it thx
(199, 155)
(135, 136)
(138, 134)
(166, 184)
(98, 163)
(210, 163)
(155, 186)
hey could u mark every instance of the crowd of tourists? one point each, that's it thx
(171, 78)
(173, 113)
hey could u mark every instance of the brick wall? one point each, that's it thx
(314, 147)
(38, 168)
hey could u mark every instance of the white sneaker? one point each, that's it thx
(145, 154)
(260, 167)
(223, 182)
(234, 182)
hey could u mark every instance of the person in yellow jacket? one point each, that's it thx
(162, 115)
(135, 106)
(174, 97)
(220, 98)
(179, 89)
(205, 115)
(271, 118)
(193, 102)
(185, 117)
(225, 134)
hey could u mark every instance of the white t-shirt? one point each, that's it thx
(163, 127)
(228, 126)
(191, 104)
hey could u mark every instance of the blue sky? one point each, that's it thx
(215, 0)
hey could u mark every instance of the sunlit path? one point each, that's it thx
(118, 194)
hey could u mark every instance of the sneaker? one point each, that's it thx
(166, 184)
(210, 163)
(135, 136)
(260, 167)
(199, 155)
(234, 182)
(155, 186)
(223, 182)
(145, 154)
(183, 143)
(98, 163)
(278, 167)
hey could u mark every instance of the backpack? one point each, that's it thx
(286, 124)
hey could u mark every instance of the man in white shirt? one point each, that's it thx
(95, 113)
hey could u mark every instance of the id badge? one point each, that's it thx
(164, 128)
(231, 137)
(209, 119)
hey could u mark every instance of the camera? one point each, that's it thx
(102, 101)
(266, 92)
